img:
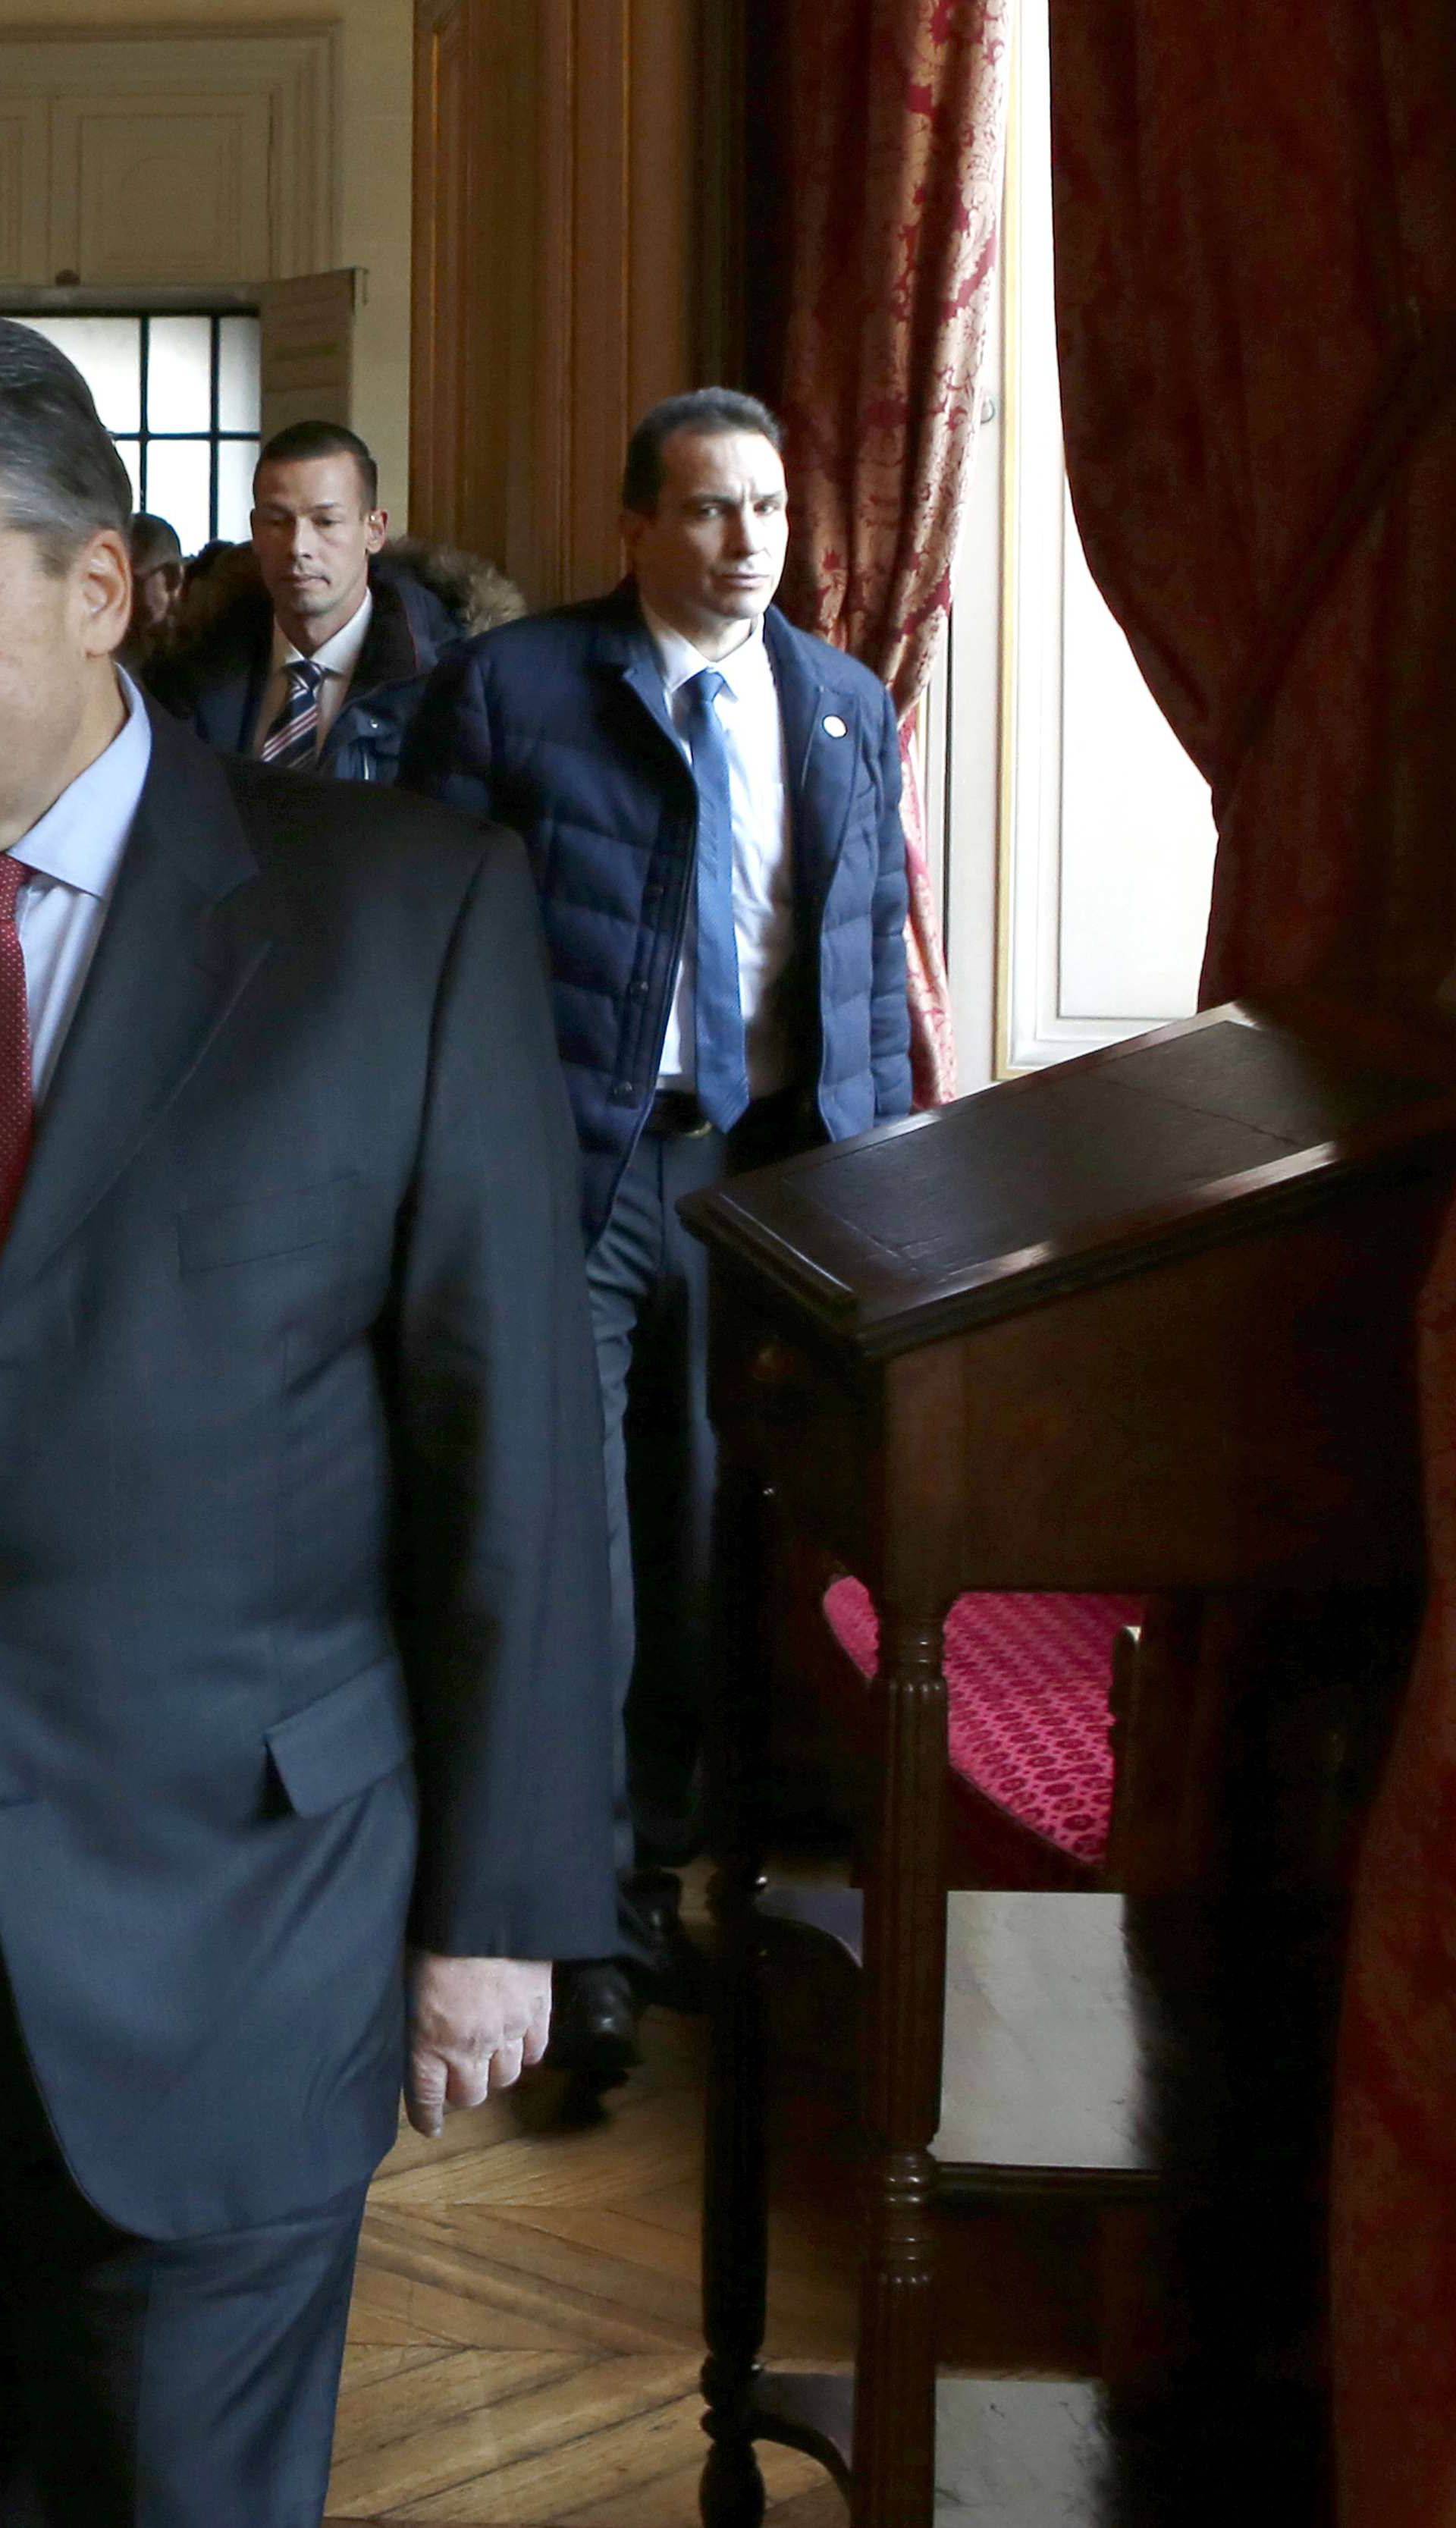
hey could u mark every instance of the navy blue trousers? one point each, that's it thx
(648, 1287)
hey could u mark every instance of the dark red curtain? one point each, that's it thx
(875, 130)
(1256, 272)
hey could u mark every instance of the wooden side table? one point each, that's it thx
(1139, 1324)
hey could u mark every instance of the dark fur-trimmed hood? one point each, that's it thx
(463, 595)
(473, 592)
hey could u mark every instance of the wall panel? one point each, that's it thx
(337, 167)
(566, 212)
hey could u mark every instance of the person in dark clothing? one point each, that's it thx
(710, 800)
(304, 1739)
(157, 568)
(310, 649)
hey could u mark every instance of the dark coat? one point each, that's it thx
(302, 1463)
(425, 602)
(558, 726)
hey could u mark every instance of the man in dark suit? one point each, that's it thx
(302, 1554)
(711, 802)
(317, 659)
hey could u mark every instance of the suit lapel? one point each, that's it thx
(231, 697)
(178, 946)
(229, 718)
(819, 763)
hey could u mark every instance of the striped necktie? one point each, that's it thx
(294, 738)
(16, 1099)
(721, 1052)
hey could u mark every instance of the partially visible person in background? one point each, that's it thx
(157, 569)
(200, 565)
(309, 648)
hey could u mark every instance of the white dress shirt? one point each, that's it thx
(75, 853)
(339, 657)
(752, 727)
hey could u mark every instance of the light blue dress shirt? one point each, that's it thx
(74, 852)
(747, 714)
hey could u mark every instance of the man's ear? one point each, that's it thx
(632, 522)
(375, 530)
(103, 582)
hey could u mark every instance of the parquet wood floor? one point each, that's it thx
(524, 2343)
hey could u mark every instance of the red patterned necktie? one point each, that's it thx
(17, 1100)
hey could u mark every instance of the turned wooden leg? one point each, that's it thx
(734, 2195)
(904, 2003)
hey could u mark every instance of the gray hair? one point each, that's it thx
(61, 476)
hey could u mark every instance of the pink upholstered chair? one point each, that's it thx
(1032, 1682)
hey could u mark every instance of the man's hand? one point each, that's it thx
(473, 2023)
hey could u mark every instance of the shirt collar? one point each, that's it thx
(742, 672)
(82, 837)
(339, 655)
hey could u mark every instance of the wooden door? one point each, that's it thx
(306, 369)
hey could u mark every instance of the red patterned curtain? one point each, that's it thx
(879, 187)
(1256, 253)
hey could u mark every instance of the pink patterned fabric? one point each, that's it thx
(932, 1036)
(887, 181)
(1027, 1680)
(1256, 280)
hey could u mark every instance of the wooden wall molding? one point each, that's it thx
(569, 224)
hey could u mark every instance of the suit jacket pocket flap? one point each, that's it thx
(334, 1749)
(269, 1224)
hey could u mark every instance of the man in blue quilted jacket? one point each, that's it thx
(710, 803)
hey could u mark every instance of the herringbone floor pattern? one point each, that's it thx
(524, 2343)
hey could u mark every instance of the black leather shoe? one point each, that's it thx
(666, 1969)
(593, 2023)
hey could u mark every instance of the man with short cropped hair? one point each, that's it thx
(317, 662)
(303, 1550)
(156, 585)
(711, 802)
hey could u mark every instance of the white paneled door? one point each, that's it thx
(165, 158)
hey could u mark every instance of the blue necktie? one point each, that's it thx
(721, 1052)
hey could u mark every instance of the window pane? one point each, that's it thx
(178, 478)
(178, 376)
(130, 453)
(236, 459)
(1137, 831)
(237, 374)
(107, 350)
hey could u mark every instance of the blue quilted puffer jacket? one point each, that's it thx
(558, 726)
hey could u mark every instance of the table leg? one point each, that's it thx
(903, 2004)
(735, 2200)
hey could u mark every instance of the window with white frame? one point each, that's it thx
(1076, 836)
(179, 394)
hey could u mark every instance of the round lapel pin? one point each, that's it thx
(833, 725)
